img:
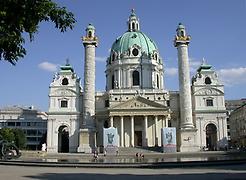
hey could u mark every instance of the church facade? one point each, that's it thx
(135, 101)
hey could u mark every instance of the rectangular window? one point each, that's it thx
(169, 123)
(31, 132)
(106, 103)
(64, 104)
(168, 103)
(31, 139)
(23, 124)
(209, 102)
(11, 123)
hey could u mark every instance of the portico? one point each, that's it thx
(139, 126)
(148, 125)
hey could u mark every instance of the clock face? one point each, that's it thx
(135, 52)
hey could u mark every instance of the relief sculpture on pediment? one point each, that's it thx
(136, 105)
(63, 92)
(207, 92)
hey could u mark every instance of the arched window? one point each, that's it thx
(135, 78)
(156, 57)
(157, 79)
(133, 26)
(112, 82)
(89, 34)
(182, 33)
(114, 56)
(207, 80)
(135, 52)
(65, 81)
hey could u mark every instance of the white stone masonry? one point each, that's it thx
(89, 86)
(184, 88)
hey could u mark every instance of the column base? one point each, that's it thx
(187, 140)
(52, 150)
(86, 141)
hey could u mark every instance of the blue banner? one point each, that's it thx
(110, 140)
(169, 139)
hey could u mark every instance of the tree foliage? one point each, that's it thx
(7, 134)
(17, 136)
(20, 138)
(18, 17)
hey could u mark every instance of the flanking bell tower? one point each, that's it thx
(187, 132)
(87, 131)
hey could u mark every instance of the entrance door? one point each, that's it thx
(138, 138)
(63, 139)
(211, 137)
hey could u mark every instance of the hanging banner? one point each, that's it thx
(169, 139)
(110, 140)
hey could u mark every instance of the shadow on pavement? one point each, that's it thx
(92, 176)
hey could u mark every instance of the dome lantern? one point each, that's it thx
(133, 22)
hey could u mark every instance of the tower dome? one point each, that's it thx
(134, 60)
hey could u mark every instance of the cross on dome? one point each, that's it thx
(133, 12)
(67, 62)
(203, 61)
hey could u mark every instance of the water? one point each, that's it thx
(115, 159)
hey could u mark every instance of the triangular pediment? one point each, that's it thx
(139, 103)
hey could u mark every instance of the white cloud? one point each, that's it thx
(194, 64)
(100, 59)
(48, 66)
(233, 76)
(171, 71)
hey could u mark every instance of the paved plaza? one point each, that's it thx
(235, 172)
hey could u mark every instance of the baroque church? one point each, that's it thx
(135, 101)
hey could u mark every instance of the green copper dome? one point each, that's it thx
(130, 38)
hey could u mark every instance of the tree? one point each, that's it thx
(20, 138)
(20, 17)
(7, 134)
(16, 136)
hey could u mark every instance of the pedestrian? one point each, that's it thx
(95, 155)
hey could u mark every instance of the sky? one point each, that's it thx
(217, 28)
